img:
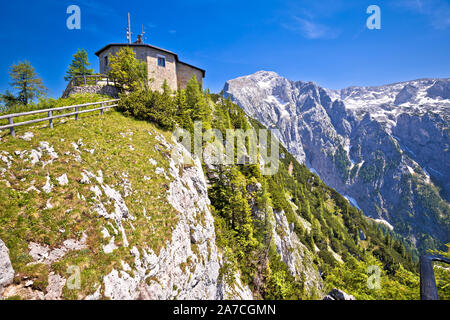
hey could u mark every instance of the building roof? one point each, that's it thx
(149, 46)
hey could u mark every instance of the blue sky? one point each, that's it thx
(323, 41)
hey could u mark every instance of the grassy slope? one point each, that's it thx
(24, 217)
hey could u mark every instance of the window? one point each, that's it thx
(106, 60)
(161, 61)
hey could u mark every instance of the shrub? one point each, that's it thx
(129, 73)
(149, 105)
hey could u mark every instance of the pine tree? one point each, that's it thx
(307, 213)
(183, 113)
(79, 66)
(167, 91)
(321, 214)
(227, 120)
(196, 100)
(388, 240)
(310, 242)
(193, 93)
(27, 82)
(8, 100)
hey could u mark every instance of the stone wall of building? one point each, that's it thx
(158, 74)
(111, 91)
(185, 73)
(176, 73)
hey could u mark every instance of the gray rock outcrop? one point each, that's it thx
(188, 267)
(337, 294)
(295, 254)
(406, 94)
(6, 269)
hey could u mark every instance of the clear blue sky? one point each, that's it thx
(324, 41)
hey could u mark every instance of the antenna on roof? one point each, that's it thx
(143, 34)
(129, 33)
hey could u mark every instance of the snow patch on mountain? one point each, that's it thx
(384, 222)
(352, 201)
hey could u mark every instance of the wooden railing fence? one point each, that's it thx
(50, 114)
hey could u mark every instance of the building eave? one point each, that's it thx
(134, 45)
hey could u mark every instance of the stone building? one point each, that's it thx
(162, 64)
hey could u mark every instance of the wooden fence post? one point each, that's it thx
(101, 110)
(50, 113)
(428, 289)
(11, 130)
(76, 114)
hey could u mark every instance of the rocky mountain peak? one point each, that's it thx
(386, 147)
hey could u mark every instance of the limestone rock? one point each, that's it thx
(6, 269)
(44, 254)
(188, 266)
(63, 180)
(294, 253)
(337, 294)
(55, 287)
(27, 136)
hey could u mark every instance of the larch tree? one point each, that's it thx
(27, 82)
(79, 66)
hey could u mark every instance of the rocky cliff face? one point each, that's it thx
(193, 240)
(6, 269)
(86, 230)
(385, 148)
(295, 254)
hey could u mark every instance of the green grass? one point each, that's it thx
(24, 217)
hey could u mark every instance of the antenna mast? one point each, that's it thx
(143, 34)
(129, 33)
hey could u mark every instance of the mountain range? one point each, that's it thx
(384, 147)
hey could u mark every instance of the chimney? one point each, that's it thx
(139, 39)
